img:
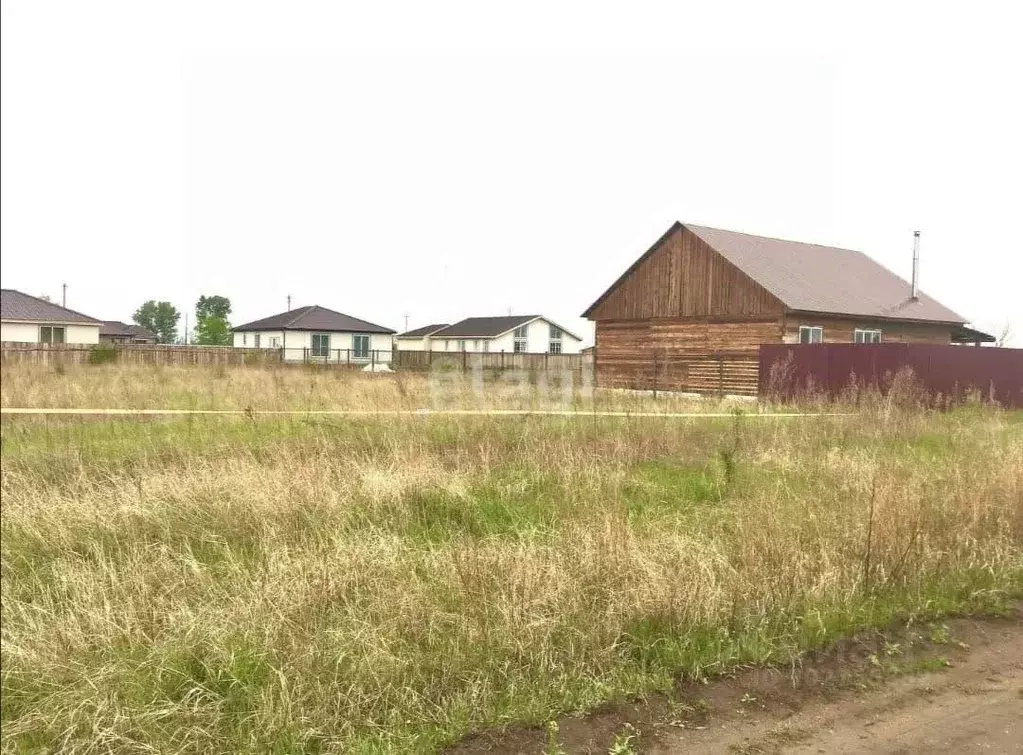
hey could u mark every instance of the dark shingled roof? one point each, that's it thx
(314, 317)
(423, 331)
(118, 328)
(14, 305)
(815, 278)
(484, 327)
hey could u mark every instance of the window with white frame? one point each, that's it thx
(460, 345)
(486, 346)
(52, 334)
(520, 344)
(275, 342)
(867, 335)
(320, 345)
(811, 334)
(555, 340)
(245, 339)
(255, 340)
(360, 347)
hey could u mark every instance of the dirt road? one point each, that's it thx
(954, 686)
(972, 704)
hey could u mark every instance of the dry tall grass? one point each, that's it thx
(301, 388)
(381, 585)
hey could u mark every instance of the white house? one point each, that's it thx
(29, 319)
(417, 339)
(531, 334)
(318, 334)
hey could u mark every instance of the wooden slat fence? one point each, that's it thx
(163, 354)
(722, 373)
(425, 361)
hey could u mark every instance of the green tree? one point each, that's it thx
(211, 325)
(160, 318)
(212, 306)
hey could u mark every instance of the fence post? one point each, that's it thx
(463, 360)
(373, 360)
(721, 376)
(305, 355)
(348, 357)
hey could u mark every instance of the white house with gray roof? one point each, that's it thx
(30, 319)
(513, 334)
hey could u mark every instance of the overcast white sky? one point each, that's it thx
(447, 160)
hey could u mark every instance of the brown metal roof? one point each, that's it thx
(14, 305)
(314, 317)
(423, 331)
(813, 278)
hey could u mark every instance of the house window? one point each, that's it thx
(51, 334)
(446, 345)
(275, 342)
(864, 335)
(521, 342)
(255, 340)
(360, 347)
(486, 347)
(460, 346)
(245, 339)
(811, 334)
(321, 345)
(555, 340)
(475, 345)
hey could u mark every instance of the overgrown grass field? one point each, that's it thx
(389, 584)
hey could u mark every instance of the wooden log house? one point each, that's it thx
(692, 311)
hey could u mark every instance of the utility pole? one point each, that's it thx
(289, 302)
(186, 329)
(406, 321)
(63, 294)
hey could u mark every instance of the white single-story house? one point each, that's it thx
(418, 339)
(514, 334)
(318, 334)
(29, 319)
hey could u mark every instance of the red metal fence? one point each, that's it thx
(951, 372)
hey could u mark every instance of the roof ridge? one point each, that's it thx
(691, 226)
(303, 311)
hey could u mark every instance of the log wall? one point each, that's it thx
(840, 329)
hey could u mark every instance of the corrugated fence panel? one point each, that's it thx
(949, 371)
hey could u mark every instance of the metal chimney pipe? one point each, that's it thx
(916, 265)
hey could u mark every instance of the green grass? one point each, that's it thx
(391, 584)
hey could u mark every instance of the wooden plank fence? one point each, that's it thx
(721, 373)
(167, 354)
(122, 353)
(426, 361)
